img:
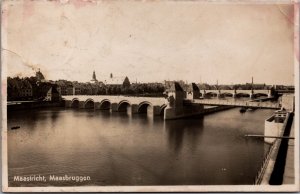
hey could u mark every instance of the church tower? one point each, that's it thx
(94, 79)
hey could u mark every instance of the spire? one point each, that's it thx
(94, 75)
(94, 79)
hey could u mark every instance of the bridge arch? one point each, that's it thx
(227, 94)
(105, 104)
(89, 103)
(143, 107)
(260, 95)
(123, 106)
(75, 103)
(162, 109)
(242, 94)
(213, 94)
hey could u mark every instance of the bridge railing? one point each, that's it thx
(247, 103)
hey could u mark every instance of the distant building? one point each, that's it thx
(19, 89)
(117, 81)
(42, 89)
(77, 88)
(94, 79)
(25, 89)
(39, 76)
(12, 89)
(64, 87)
(53, 95)
(70, 89)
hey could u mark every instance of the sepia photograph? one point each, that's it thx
(150, 96)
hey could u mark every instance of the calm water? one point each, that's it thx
(119, 149)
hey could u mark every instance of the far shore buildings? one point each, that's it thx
(93, 87)
(19, 89)
(53, 95)
(29, 88)
(39, 76)
(38, 88)
(117, 81)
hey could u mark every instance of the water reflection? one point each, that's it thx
(54, 117)
(178, 131)
(131, 149)
(175, 131)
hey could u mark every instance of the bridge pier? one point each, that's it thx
(251, 95)
(114, 107)
(234, 93)
(68, 103)
(182, 112)
(150, 111)
(134, 108)
(156, 110)
(97, 105)
(178, 106)
(81, 104)
(270, 94)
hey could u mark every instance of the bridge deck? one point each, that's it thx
(238, 103)
(116, 99)
(161, 101)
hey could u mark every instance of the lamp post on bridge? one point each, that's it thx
(218, 89)
(252, 92)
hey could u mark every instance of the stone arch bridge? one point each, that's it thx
(135, 105)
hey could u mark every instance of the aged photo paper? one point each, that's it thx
(150, 95)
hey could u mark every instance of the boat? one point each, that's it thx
(15, 127)
(243, 110)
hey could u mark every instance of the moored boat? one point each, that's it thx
(243, 109)
(15, 127)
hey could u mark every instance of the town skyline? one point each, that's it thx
(104, 78)
(72, 41)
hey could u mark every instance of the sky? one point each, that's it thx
(149, 41)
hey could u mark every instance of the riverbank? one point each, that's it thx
(273, 169)
(289, 172)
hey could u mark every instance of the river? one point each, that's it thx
(122, 149)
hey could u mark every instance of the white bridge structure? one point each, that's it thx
(236, 93)
(177, 104)
(250, 104)
(149, 105)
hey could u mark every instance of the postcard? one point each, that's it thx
(150, 96)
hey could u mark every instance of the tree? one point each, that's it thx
(126, 82)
